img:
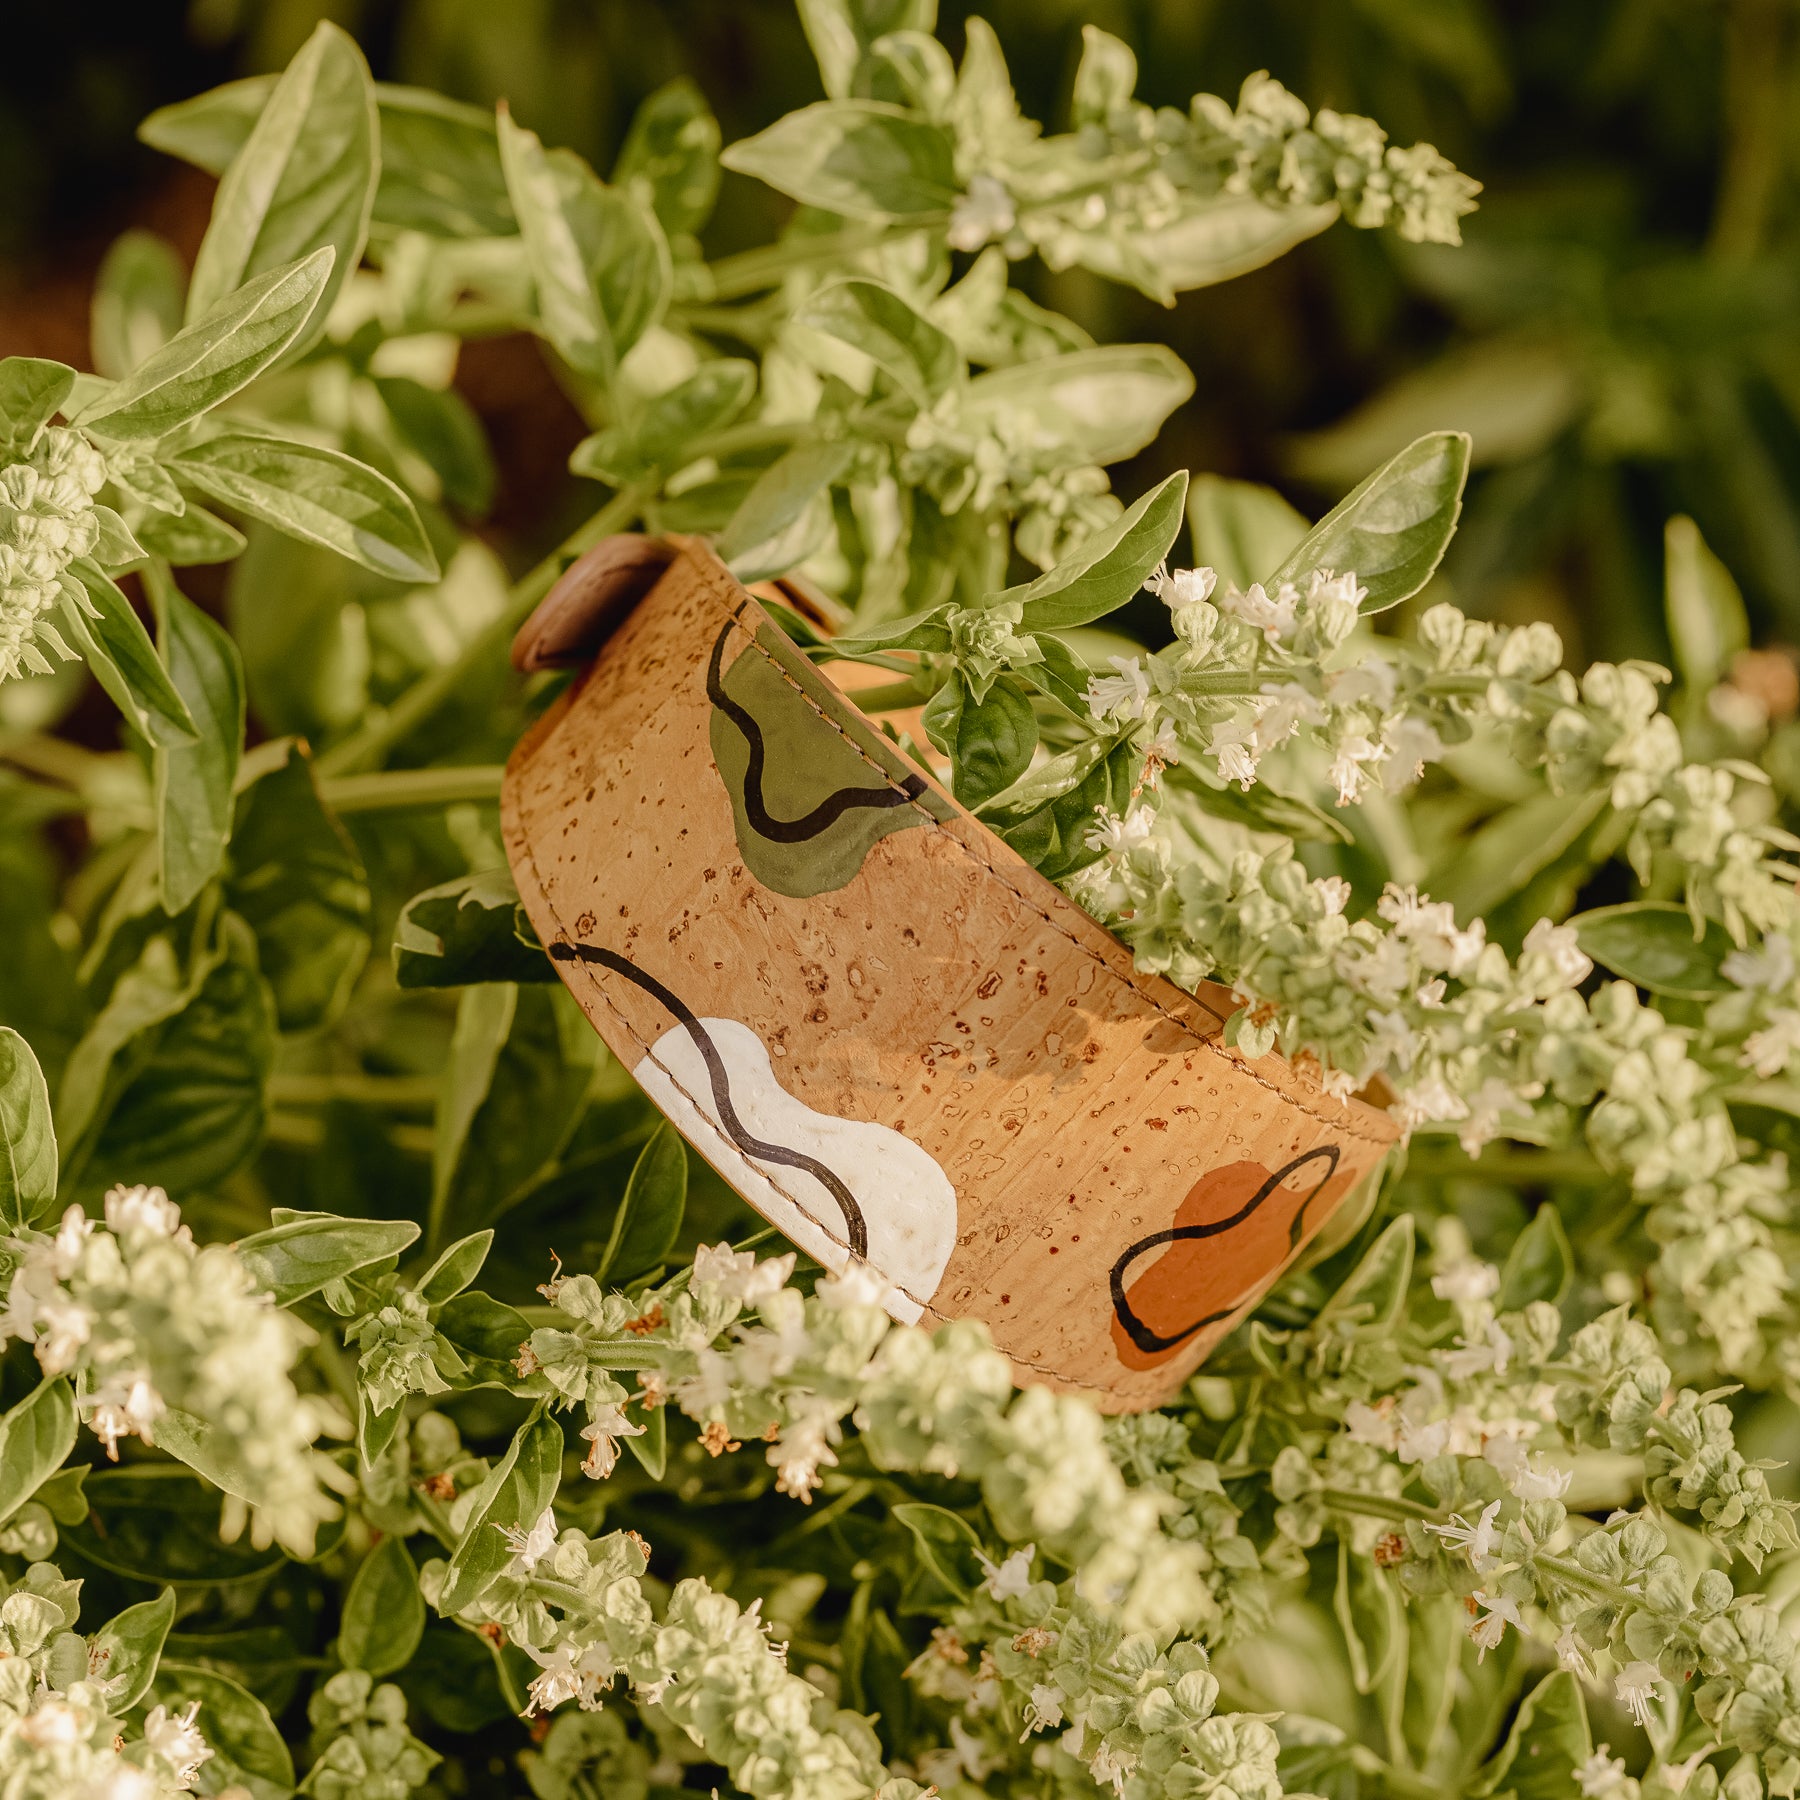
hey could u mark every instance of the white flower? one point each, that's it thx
(1540, 1479)
(1429, 1102)
(531, 1546)
(1571, 1654)
(802, 1449)
(177, 1740)
(1636, 1687)
(1233, 743)
(1430, 928)
(1272, 614)
(131, 1414)
(1349, 771)
(1467, 1282)
(738, 1274)
(1009, 1578)
(558, 1681)
(856, 1284)
(1421, 1442)
(1493, 1351)
(1162, 752)
(1113, 834)
(1770, 968)
(1769, 1051)
(1370, 1425)
(1601, 1775)
(1374, 680)
(603, 1432)
(1392, 1039)
(1478, 1539)
(1335, 892)
(1284, 708)
(1110, 1767)
(1490, 1627)
(1559, 949)
(1183, 588)
(980, 215)
(1410, 743)
(1490, 1103)
(1043, 1712)
(142, 1209)
(1124, 695)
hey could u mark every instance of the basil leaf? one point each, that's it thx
(1391, 530)
(515, 1493)
(648, 1219)
(455, 1269)
(672, 149)
(224, 350)
(194, 782)
(137, 302)
(123, 658)
(305, 179)
(442, 426)
(597, 254)
(246, 1747)
(27, 1137)
(1652, 944)
(384, 1612)
(855, 157)
(32, 392)
(1707, 622)
(1110, 566)
(35, 1440)
(1097, 406)
(306, 1250)
(841, 32)
(128, 1648)
(1539, 1266)
(995, 738)
(783, 496)
(465, 931)
(193, 536)
(921, 359)
(317, 495)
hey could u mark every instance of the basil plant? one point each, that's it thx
(393, 1406)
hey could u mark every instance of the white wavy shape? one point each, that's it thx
(907, 1201)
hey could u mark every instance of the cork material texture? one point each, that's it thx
(894, 1038)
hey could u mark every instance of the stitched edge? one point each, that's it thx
(1344, 1123)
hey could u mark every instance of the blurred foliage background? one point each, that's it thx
(1615, 334)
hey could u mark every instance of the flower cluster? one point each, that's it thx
(47, 520)
(154, 1328)
(363, 1749)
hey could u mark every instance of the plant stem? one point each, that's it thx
(401, 1092)
(1379, 1506)
(370, 742)
(1571, 1574)
(751, 271)
(1757, 41)
(388, 790)
(1508, 1163)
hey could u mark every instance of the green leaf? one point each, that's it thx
(137, 302)
(455, 1269)
(946, 1543)
(245, 332)
(27, 1136)
(1652, 944)
(304, 180)
(1241, 529)
(485, 1331)
(517, 1490)
(1206, 241)
(185, 1097)
(1105, 78)
(598, 256)
(32, 393)
(295, 876)
(246, 1747)
(129, 1646)
(651, 1445)
(194, 782)
(648, 1219)
(672, 150)
(1370, 1613)
(1540, 1264)
(1097, 406)
(1109, 567)
(124, 659)
(304, 1252)
(35, 1440)
(465, 931)
(194, 536)
(375, 1431)
(443, 428)
(916, 631)
(521, 1061)
(922, 360)
(841, 32)
(1549, 1741)
(62, 1496)
(317, 495)
(855, 157)
(1375, 1289)
(209, 129)
(157, 1522)
(440, 167)
(1707, 622)
(706, 402)
(755, 542)
(995, 739)
(1393, 529)
(384, 1612)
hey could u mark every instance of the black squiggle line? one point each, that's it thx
(829, 810)
(1151, 1341)
(854, 1224)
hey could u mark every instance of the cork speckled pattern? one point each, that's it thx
(895, 1038)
